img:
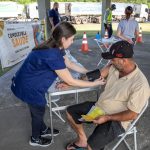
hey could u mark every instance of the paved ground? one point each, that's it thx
(15, 120)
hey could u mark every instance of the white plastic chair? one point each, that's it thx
(131, 130)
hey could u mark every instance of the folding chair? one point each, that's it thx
(131, 130)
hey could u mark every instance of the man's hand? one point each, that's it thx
(101, 119)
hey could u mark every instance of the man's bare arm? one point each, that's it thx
(104, 71)
(122, 116)
(51, 21)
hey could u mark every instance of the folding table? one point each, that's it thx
(52, 91)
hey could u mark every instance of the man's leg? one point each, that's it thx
(89, 148)
(78, 128)
(110, 31)
(73, 114)
(104, 134)
(105, 26)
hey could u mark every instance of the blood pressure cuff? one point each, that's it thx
(93, 75)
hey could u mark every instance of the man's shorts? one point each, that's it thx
(103, 134)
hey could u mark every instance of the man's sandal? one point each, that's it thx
(73, 146)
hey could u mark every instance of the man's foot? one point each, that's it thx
(41, 141)
(74, 146)
(47, 132)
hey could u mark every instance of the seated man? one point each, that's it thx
(125, 94)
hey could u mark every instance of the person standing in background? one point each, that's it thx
(54, 16)
(128, 28)
(108, 19)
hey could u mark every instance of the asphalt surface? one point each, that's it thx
(15, 121)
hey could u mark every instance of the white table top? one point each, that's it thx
(53, 91)
(109, 40)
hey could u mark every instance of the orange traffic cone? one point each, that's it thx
(84, 46)
(106, 34)
(139, 38)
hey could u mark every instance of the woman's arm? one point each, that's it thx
(65, 75)
(136, 34)
(71, 65)
(121, 36)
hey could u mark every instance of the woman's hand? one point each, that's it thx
(130, 41)
(65, 75)
(62, 85)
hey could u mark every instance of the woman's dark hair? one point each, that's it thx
(63, 29)
(128, 12)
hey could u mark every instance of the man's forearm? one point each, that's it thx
(122, 116)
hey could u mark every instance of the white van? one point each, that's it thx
(141, 12)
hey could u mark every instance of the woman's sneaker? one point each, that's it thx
(41, 141)
(47, 132)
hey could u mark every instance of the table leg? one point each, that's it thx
(51, 117)
(77, 97)
(97, 94)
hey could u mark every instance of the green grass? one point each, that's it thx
(79, 34)
(92, 29)
(4, 70)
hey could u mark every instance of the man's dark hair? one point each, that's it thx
(128, 11)
(113, 6)
(56, 3)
